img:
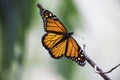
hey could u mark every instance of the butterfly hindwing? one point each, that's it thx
(50, 39)
(59, 50)
(72, 48)
(74, 52)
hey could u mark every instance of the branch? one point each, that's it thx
(92, 63)
(96, 68)
(111, 69)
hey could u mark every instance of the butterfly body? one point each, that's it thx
(65, 37)
(57, 40)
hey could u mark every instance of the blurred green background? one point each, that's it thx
(17, 18)
(22, 56)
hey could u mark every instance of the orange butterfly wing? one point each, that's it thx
(55, 32)
(59, 50)
(57, 40)
(50, 42)
(52, 23)
(75, 52)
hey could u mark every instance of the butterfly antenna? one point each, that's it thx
(77, 28)
(79, 36)
(40, 6)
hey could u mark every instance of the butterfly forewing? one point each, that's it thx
(74, 52)
(52, 23)
(72, 48)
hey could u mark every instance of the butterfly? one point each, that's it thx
(57, 40)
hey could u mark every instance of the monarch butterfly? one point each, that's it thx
(57, 40)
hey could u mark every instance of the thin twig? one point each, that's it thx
(98, 69)
(92, 63)
(111, 69)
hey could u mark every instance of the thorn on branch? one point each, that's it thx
(95, 69)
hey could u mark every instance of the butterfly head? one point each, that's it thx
(68, 34)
